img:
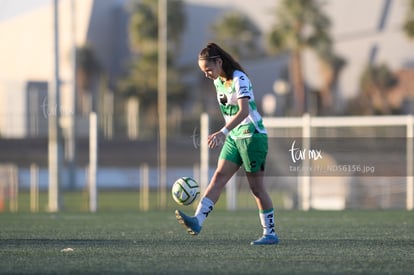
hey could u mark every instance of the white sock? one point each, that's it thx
(267, 219)
(205, 206)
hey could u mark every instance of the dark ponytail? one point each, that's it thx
(213, 51)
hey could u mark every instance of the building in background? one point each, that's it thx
(27, 55)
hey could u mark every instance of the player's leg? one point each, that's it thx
(228, 163)
(225, 170)
(256, 184)
(265, 205)
(253, 153)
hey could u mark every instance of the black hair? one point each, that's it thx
(213, 51)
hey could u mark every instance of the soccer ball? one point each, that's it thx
(185, 191)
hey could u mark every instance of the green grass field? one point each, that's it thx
(115, 242)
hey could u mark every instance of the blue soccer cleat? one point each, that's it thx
(191, 223)
(266, 239)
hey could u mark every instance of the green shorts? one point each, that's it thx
(250, 152)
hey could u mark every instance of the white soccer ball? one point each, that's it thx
(185, 191)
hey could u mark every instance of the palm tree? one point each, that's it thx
(330, 66)
(87, 73)
(375, 83)
(301, 24)
(141, 81)
(143, 27)
(237, 33)
(408, 26)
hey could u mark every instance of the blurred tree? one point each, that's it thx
(238, 34)
(301, 24)
(375, 83)
(408, 25)
(330, 67)
(141, 81)
(87, 76)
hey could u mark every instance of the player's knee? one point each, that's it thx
(220, 178)
(257, 191)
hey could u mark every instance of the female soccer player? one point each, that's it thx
(244, 141)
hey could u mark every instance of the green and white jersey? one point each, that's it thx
(227, 97)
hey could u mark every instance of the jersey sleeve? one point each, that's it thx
(242, 86)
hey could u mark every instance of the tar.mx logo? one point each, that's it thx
(196, 138)
(298, 154)
(53, 109)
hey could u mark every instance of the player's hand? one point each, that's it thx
(215, 139)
